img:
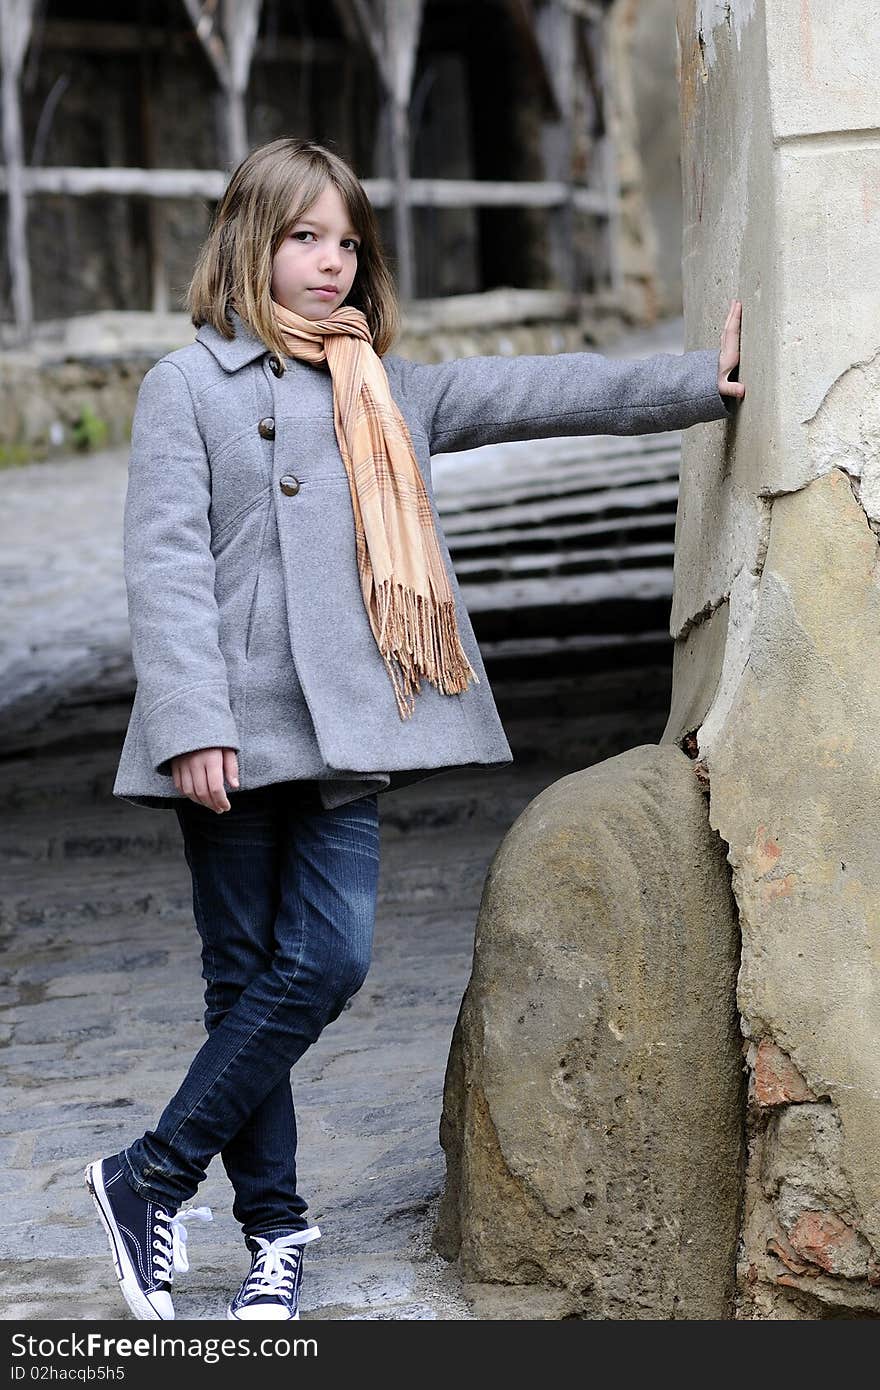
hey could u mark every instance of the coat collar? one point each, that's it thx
(236, 352)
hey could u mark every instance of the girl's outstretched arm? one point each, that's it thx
(169, 576)
(489, 400)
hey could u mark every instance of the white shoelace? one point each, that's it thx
(169, 1251)
(276, 1264)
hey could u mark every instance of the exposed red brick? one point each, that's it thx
(777, 1079)
(779, 1246)
(688, 744)
(827, 1241)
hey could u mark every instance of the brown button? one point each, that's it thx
(267, 428)
(289, 485)
(276, 365)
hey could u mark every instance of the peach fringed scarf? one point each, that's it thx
(404, 582)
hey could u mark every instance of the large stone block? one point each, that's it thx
(796, 793)
(777, 522)
(593, 1106)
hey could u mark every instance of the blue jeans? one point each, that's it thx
(284, 899)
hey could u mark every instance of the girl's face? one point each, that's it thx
(320, 249)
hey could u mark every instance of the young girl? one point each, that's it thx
(300, 645)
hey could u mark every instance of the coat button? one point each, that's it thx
(267, 428)
(276, 365)
(289, 485)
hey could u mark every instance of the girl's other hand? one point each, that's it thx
(728, 358)
(201, 775)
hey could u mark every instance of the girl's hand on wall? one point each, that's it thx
(201, 775)
(728, 358)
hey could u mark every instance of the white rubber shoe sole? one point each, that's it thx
(137, 1300)
(256, 1317)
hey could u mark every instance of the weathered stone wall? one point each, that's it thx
(592, 1114)
(776, 611)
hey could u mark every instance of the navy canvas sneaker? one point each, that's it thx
(147, 1239)
(270, 1290)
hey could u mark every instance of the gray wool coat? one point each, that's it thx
(248, 629)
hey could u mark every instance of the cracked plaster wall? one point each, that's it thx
(776, 611)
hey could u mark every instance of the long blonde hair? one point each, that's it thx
(269, 191)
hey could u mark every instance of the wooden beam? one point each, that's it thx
(497, 308)
(348, 20)
(16, 18)
(555, 34)
(522, 16)
(230, 51)
(391, 30)
(85, 36)
(155, 210)
(595, 41)
(402, 26)
(149, 183)
(210, 183)
(204, 18)
(370, 20)
(241, 20)
(587, 9)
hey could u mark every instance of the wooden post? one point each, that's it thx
(403, 22)
(230, 53)
(403, 235)
(348, 21)
(393, 37)
(155, 211)
(241, 20)
(16, 18)
(596, 38)
(555, 31)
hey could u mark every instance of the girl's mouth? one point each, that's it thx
(325, 294)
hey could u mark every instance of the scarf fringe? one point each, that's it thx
(418, 638)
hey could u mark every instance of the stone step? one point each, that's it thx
(652, 526)
(555, 480)
(577, 506)
(471, 470)
(512, 564)
(558, 605)
(584, 655)
(95, 831)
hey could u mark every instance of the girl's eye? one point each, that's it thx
(306, 232)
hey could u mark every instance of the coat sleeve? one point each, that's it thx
(489, 400)
(169, 576)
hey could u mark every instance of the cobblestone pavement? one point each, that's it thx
(102, 994)
(101, 986)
